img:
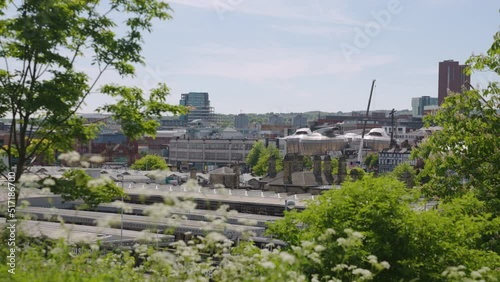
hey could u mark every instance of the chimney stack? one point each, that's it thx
(236, 171)
(327, 169)
(192, 174)
(287, 169)
(342, 173)
(317, 169)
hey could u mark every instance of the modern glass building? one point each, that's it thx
(418, 104)
(199, 105)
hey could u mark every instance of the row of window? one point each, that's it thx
(208, 156)
(396, 161)
(221, 146)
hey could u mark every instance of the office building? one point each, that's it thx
(241, 121)
(208, 154)
(418, 104)
(451, 78)
(199, 105)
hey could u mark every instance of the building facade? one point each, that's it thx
(199, 105)
(418, 105)
(208, 154)
(388, 159)
(241, 121)
(451, 78)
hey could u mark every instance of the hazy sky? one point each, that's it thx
(263, 56)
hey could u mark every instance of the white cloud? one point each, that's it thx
(275, 63)
(315, 11)
(314, 30)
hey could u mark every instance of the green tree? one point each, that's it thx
(150, 162)
(261, 168)
(137, 115)
(334, 164)
(464, 155)
(307, 163)
(371, 162)
(416, 243)
(374, 162)
(356, 173)
(253, 156)
(369, 159)
(405, 173)
(76, 184)
(46, 45)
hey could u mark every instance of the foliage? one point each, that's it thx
(137, 114)
(415, 243)
(261, 168)
(335, 165)
(371, 161)
(76, 184)
(45, 152)
(46, 46)
(182, 261)
(356, 173)
(405, 173)
(150, 162)
(253, 156)
(58, 261)
(465, 154)
(307, 163)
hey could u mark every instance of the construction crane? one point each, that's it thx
(360, 153)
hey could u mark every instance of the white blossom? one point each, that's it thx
(96, 159)
(364, 273)
(70, 157)
(49, 182)
(286, 257)
(268, 264)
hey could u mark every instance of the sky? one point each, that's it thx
(261, 56)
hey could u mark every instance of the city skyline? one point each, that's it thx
(260, 57)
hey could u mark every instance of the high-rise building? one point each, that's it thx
(199, 105)
(241, 121)
(418, 104)
(451, 78)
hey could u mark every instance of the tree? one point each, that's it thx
(307, 163)
(254, 154)
(45, 45)
(75, 184)
(262, 166)
(464, 156)
(415, 243)
(405, 173)
(356, 173)
(374, 162)
(369, 159)
(150, 162)
(371, 162)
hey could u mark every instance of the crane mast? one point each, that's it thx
(360, 153)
